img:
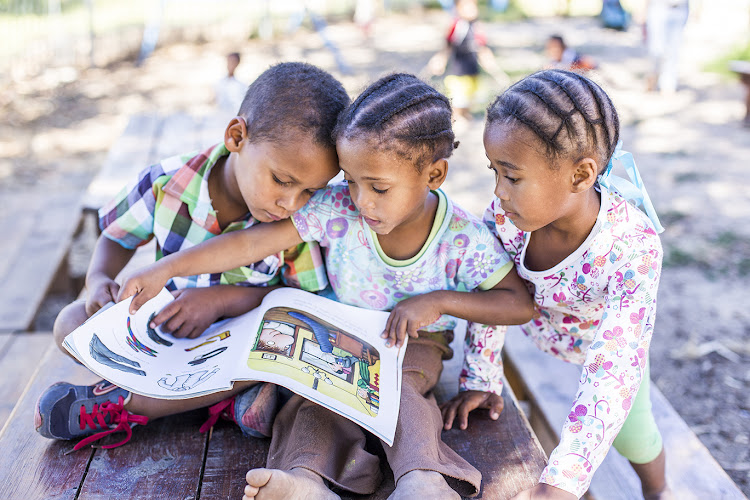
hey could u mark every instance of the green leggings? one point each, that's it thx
(639, 439)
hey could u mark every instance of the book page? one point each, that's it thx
(330, 353)
(123, 349)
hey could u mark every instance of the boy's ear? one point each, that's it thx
(235, 134)
(436, 173)
(584, 174)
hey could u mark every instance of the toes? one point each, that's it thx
(250, 492)
(257, 478)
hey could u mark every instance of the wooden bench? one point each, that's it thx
(549, 384)
(37, 230)
(169, 458)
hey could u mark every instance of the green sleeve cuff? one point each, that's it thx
(496, 277)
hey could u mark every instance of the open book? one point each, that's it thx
(325, 351)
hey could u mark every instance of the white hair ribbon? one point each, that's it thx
(633, 190)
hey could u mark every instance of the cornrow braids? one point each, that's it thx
(571, 115)
(402, 113)
(293, 97)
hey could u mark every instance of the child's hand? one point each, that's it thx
(102, 292)
(409, 316)
(145, 284)
(192, 311)
(465, 402)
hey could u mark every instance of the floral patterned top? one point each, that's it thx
(597, 309)
(461, 253)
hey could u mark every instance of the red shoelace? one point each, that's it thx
(117, 415)
(221, 409)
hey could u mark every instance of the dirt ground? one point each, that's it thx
(57, 128)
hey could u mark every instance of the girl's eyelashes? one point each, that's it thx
(379, 191)
(279, 181)
(494, 171)
(512, 180)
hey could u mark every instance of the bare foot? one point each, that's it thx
(295, 484)
(424, 484)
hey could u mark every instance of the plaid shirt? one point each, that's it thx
(170, 202)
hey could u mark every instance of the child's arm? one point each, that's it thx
(438, 62)
(507, 303)
(108, 259)
(223, 252)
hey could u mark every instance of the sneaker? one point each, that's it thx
(253, 410)
(67, 411)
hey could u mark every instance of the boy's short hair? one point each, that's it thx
(293, 95)
(557, 39)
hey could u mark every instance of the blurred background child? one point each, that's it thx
(465, 53)
(229, 91)
(563, 57)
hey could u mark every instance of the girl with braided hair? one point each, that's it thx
(392, 241)
(592, 260)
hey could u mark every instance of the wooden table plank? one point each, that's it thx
(180, 134)
(32, 268)
(15, 226)
(505, 451)
(20, 355)
(32, 467)
(230, 455)
(5, 340)
(162, 460)
(129, 155)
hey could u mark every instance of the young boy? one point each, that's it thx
(276, 153)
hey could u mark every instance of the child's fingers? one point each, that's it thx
(183, 331)
(413, 329)
(113, 289)
(173, 325)
(401, 332)
(463, 415)
(138, 301)
(392, 338)
(449, 414)
(128, 289)
(197, 332)
(167, 312)
(388, 326)
(496, 406)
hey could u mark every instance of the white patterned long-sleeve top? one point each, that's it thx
(597, 309)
